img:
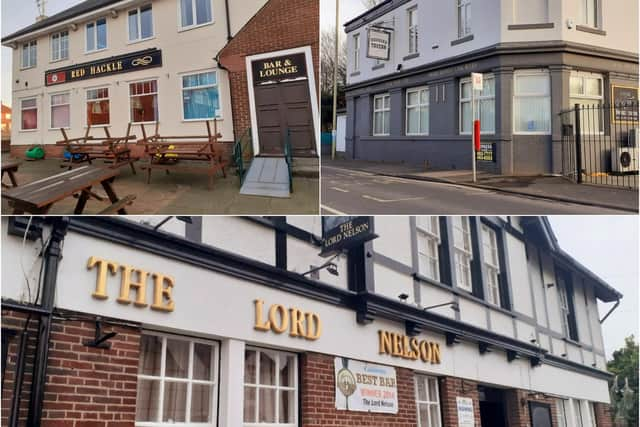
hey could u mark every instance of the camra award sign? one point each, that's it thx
(365, 387)
(378, 43)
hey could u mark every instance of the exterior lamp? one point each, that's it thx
(330, 266)
(185, 219)
(454, 306)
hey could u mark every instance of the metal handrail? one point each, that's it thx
(238, 157)
(288, 158)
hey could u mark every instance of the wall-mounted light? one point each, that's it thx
(73, 26)
(550, 285)
(330, 266)
(114, 13)
(435, 46)
(454, 306)
(185, 219)
(403, 297)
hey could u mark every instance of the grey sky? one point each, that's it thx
(608, 246)
(348, 9)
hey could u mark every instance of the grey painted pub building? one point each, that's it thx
(537, 57)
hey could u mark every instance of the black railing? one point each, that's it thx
(600, 144)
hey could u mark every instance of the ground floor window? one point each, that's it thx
(177, 381)
(98, 106)
(427, 401)
(270, 388)
(586, 89)
(485, 103)
(144, 101)
(532, 102)
(417, 111)
(60, 111)
(381, 114)
(575, 412)
(29, 113)
(200, 99)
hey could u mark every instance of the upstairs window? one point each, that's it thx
(463, 252)
(589, 13)
(96, 34)
(464, 18)
(418, 111)
(60, 46)
(140, 23)
(381, 114)
(29, 54)
(194, 13)
(356, 52)
(491, 262)
(428, 236)
(567, 310)
(412, 15)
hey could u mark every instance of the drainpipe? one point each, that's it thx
(610, 311)
(19, 378)
(52, 257)
(226, 10)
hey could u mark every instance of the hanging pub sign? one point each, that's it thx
(135, 61)
(345, 232)
(279, 68)
(625, 103)
(365, 387)
(378, 43)
(487, 152)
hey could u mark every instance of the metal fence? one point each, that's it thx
(600, 144)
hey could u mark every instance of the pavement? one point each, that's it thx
(541, 188)
(179, 193)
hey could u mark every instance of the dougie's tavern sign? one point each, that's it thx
(114, 65)
(279, 68)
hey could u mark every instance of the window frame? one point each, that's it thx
(356, 52)
(583, 96)
(95, 35)
(51, 106)
(140, 39)
(32, 44)
(412, 30)
(216, 86)
(431, 235)
(156, 93)
(466, 5)
(193, 11)
(524, 73)
(489, 267)
(215, 383)
(86, 101)
(419, 106)
(462, 252)
(59, 34)
(583, 13)
(277, 387)
(35, 98)
(382, 110)
(437, 403)
(478, 98)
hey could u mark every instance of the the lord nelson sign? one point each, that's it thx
(114, 65)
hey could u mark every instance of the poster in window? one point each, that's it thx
(625, 104)
(365, 387)
(464, 407)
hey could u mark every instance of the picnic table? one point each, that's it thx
(88, 148)
(10, 167)
(39, 196)
(166, 152)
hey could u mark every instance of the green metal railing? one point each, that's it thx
(241, 148)
(288, 158)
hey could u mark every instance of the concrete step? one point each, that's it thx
(307, 167)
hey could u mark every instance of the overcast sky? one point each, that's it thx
(348, 9)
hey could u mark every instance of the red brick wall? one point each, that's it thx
(318, 398)
(603, 415)
(85, 387)
(450, 388)
(279, 25)
(517, 402)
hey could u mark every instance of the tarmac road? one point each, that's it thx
(347, 191)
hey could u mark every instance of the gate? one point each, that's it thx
(600, 144)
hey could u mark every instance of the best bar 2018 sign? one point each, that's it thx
(345, 233)
(279, 68)
(114, 65)
(365, 387)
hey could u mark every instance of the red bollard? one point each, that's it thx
(476, 134)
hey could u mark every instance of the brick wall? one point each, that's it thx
(517, 402)
(85, 387)
(450, 388)
(279, 25)
(603, 415)
(318, 398)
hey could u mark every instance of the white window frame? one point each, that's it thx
(95, 35)
(156, 93)
(139, 37)
(51, 95)
(491, 261)
(464, 26)
(381, 110)
(215, 383)
(356, 52)
(419, 106)
(479, 97)
(585, 16)
(430, 402)
(525, 73)
(463, 256)
(216, 85)
(193, 11)
(30, 108)
(412, 29)
(87, 100)
(583, 96)
(428, 231)
(33, 44)
(52, 52)
(563, 303)
(276, 387)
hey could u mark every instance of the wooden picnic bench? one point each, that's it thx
(10, 167)
(168, 152)
(87, 148)
(39, 196)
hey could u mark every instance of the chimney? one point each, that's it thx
(41, 4)
(41, 17)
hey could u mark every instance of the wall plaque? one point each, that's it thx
(273, 70)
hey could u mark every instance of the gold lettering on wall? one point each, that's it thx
(104, 267)
(279, 319)
(162, 293)
(411, 348)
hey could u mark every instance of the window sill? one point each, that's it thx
(591, 30)
(193, 27)
(97, 126)
(219, 118)
(530, 26)
(53, 61)
(380, 135)
(416, 134)
(354, 74)
(544, 133)
(411, 56)
(570, 341)
(91, 52)
(57, 129)
(28, 130)
(28, 68)
(481, 133)
(462, 40)
(130, 42)
(377, 67)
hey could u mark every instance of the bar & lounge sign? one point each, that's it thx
(280, 68)
(114, 65)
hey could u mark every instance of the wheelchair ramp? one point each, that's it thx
(267, 176)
